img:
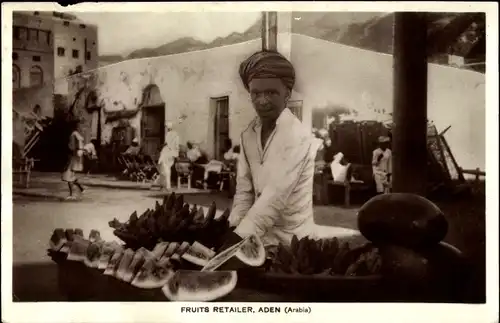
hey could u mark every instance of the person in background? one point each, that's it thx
(75, 162)
(193, 153)
(168, 154)
(90, 155)
(329, 151)
(134, 149)
(382, 165)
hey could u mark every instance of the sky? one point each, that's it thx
(122, 32)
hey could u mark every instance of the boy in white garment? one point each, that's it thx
(276, 165)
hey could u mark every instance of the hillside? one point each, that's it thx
(461, 34)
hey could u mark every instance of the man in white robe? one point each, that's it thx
(169, 152)
(274, 197)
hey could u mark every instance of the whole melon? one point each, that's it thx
(402, 219)
(439, 269)
(187, 285)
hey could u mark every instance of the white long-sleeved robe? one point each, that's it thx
(167, 157)
(274, 184)
(381, 168)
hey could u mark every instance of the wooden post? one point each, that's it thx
(269, 31)
(410, 103)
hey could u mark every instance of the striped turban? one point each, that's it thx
(266, 64)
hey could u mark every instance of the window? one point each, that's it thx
(36, 58)
(36, 13)
(88, 56)
(49, 36)
(36, 76)
(33, 35)
(221, 125)
(66, 23)
(16, 77)
(16, 32)
(42, 36)
(15, 56)
(75, 53)
(23, 33)
(82, 26)
(74, 39)
(60, 51)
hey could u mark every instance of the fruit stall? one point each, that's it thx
(176, 252)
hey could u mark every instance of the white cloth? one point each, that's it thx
(193, 154)
(214, 166)
(75, 163)
(167, 158)
(339, 171)
(274, 184)
(90, 150)
(381, 168)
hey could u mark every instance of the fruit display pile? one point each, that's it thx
(325, 257)
(173, 220)
(184, 271)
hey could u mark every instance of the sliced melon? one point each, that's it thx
(169, 251)
(198, 254)
(180, 251)
(159, 249)
(57, 240)
(224, 256)
(114, 262)
(93, 254)
(78, 249)
(153, 274)
(125, 261)
(199, 286)
(252, 252)
(79, 232)
(138, 260)
(94, 236)
(107, 252)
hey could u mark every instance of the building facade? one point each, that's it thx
(201, 94)
(47, 47)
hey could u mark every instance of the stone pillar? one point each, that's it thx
(410, 103)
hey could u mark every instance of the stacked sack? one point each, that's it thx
(408, 229)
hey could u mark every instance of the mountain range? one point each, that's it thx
(461, 34)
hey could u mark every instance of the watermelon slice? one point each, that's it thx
(93, 254)
(169, 251)
(198, 254)
(181, 250)
(159, 249)
(108, 250)
(153, 274)
(57, 240)
(138, 260)
(78, 249)
(224, 256)
(199, 286)
(114, 262)
(94, 236)
(126, 260)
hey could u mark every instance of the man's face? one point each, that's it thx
(269, 97)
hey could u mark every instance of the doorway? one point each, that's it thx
(221, 126)
(152, 121)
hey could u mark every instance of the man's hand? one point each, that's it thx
(230, 239)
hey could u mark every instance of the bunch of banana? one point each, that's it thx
(324, 257)
(173, 220)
